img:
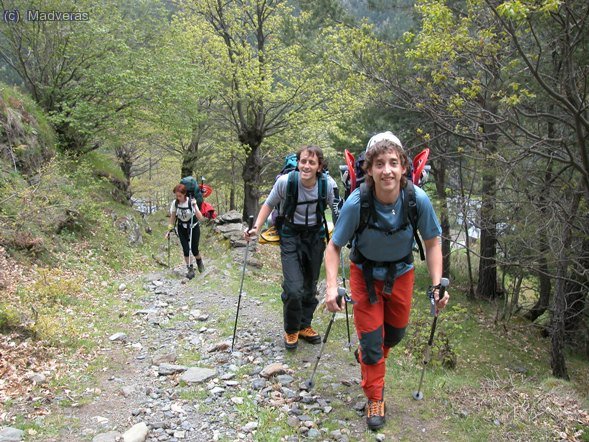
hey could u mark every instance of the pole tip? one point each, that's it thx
(418, 395)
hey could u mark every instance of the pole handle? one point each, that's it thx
(444, 282)
(250, 222)
(341, 294)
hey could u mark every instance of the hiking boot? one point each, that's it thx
(291, 340)
(200, 265)
(190, 274)
(310, 335)
(375, 418)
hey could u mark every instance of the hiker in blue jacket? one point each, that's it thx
(381, 261)
(303, 196)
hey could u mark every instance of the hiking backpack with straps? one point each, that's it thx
(410, 215)
(290, 164)
(290, 203)
(368, 214)
(193, 190)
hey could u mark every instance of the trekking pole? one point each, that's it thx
(169, 249)
(341, 293)
(444, 282)
(344, 282)
(250, 223)
(190, 236)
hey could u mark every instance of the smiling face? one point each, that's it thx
(386, 167)
(309, 165)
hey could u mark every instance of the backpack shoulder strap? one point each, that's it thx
(292, 195)
(410, 211)
(322, 193)
(366, 207)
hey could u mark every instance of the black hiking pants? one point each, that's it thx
(184, 235)
(301, 255)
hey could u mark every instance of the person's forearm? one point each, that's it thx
(434, 260)
(263, 214)
(332, 262)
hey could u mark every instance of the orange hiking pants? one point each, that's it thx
(379, 326)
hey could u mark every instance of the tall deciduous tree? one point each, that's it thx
(268, 88)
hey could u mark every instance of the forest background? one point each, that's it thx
(140, 93)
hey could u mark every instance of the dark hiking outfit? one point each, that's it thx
(302, 243)
(382, 307)
(184, 215)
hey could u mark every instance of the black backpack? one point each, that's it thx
(288, 207)
(410, 215)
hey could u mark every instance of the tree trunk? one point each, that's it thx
(251, 182)
(487, 284)
(470, 295)
(559, 309)
(190, 158)
(444, 221)
(543, 276)
(576, 301)
(545, 288)
(557, 328)
(232, 200)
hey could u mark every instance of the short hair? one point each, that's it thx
(313, 150)
(382, 147)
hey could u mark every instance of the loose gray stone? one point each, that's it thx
(120, 337)
(197, 375)
(111, 436)
(163, 358)
(285, 379)
(137, 433)
(168, 369)
(9, 434)
(313, 433)
(36, 378)
(273, 369)
(259, 384)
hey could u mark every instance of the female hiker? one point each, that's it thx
(381, 269)
(303, 196)
(186, 215)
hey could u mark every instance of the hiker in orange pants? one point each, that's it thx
(381, 219)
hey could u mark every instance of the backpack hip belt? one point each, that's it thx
(368, 266)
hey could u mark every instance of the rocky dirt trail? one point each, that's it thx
(147, 394)
(170, 374)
